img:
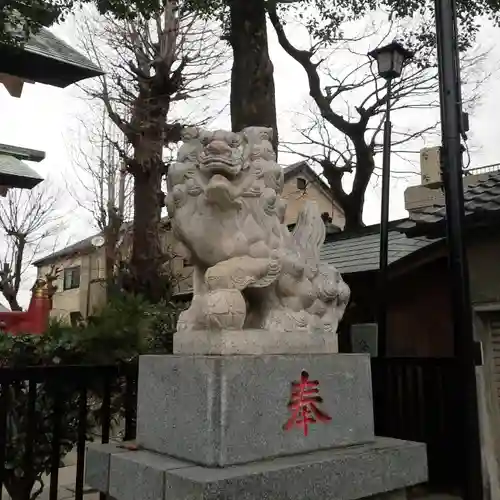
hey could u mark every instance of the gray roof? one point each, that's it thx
(359, 252)
(46, 44)
(481, 199)
(81, 246)
(22, 153)
(45, 58)
(289, 169)
(301, 166)
(16, 174)
(78, 247)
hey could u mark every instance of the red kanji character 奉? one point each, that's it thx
(303, 404)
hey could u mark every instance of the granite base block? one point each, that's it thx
(391, 495)
(253, 342)
(226, 410)
(140, 475)
(356, 472)
(97, 464)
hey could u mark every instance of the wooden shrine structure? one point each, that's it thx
(43, 58)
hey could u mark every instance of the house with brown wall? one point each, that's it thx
(419, 301)
(420, 367)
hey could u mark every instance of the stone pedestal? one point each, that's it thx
(253, 341)
(212, 427)
(232, 409)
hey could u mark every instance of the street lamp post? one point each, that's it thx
(390, 61)
(452, 127)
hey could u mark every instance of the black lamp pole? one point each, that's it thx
(451, 161)
(390, 60)
(384, 228)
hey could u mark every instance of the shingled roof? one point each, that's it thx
(79, 248)
(47, 59)
(481, 203)
(16, 174)
(359, 252)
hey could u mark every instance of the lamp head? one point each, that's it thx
(390, 59)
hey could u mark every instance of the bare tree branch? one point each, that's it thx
(28, 219)
(155, 68)
(343, 133)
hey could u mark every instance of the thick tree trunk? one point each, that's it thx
(350, 203)
(365, 165)
(147, 255)
(252, 83)
(353, 212)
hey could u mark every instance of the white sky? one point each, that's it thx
(49, 119)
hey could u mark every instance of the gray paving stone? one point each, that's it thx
(225, 410)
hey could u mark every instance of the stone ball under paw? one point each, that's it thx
(225, 310)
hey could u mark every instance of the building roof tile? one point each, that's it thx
(359, 252)
(481, 198)
(45, 58)
(15, 173)
(76, 248)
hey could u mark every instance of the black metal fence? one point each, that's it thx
(416, 399)
(47, 411)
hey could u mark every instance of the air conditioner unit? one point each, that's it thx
(430, 167)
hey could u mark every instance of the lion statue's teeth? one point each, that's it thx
(250, 272)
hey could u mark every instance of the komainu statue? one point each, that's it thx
(254, 280)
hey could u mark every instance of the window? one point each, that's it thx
(71, 278)
(301, 184)
(186, 262)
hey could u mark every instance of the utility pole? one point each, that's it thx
(451, 160)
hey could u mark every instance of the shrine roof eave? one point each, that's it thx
(16, 174)
(47, 59)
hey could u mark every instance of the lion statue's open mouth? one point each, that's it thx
(219, 165)
(221, 156)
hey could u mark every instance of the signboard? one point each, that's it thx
(364, 337)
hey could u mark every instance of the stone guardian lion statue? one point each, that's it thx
(257, 287)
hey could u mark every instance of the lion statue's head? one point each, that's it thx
(223, 194)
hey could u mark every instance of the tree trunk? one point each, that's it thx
(20, 488)
(13, 303)
(365, 165)
(353, 212)
(252, 82)
(147, 255)
(350, 203)
(110, 260)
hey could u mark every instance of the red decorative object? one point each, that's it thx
(303, 404)
(35, 319)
